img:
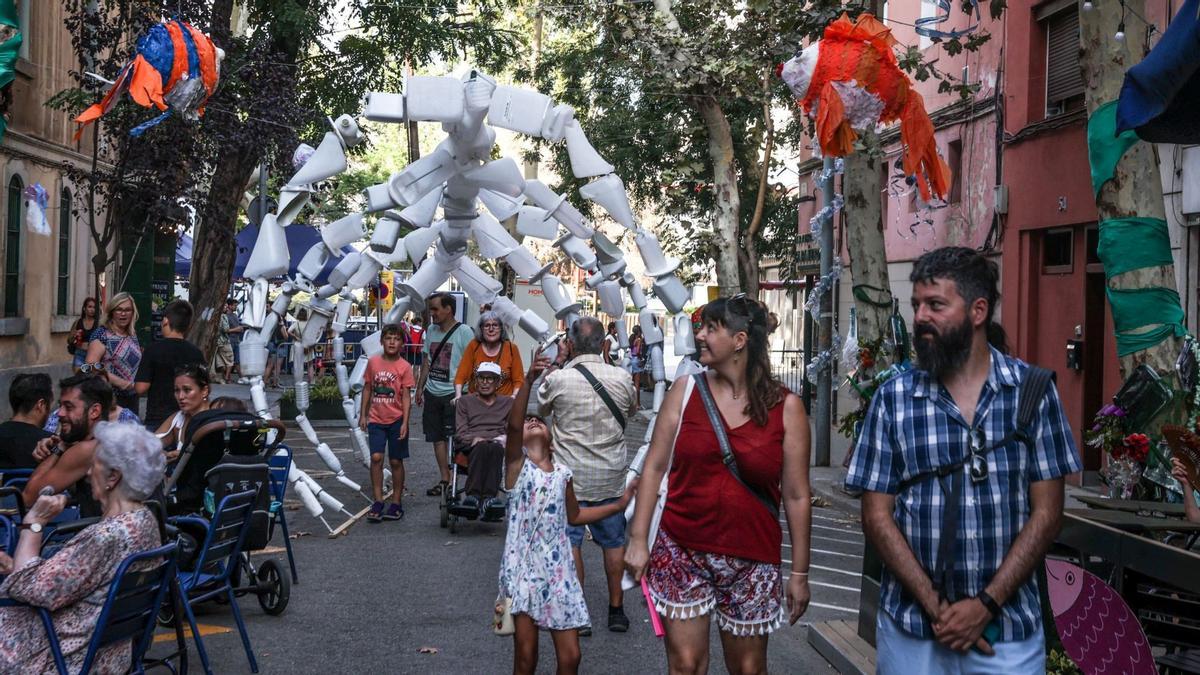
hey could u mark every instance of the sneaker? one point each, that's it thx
(494, 509)
(617, 621)
(469, 502)
(585, 631)
(375, 513)
(394, 512)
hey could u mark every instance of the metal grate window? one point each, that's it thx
(1064, 79)
(12, 249)
(64, 252)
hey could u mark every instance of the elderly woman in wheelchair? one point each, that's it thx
(127, 468)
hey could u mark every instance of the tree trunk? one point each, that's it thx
(213, 250)
(864, 238)
(727, 213)
(1135, 189)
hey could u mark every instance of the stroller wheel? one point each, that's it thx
(444, 515)
(277, 588)
(166, 612)
(454, 524)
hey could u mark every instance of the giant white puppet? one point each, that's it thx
(451, 196)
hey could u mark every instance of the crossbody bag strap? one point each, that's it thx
(598, 387)
(727, 457)
(442, 345)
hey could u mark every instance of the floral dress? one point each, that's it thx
(73, 586)
(537, 570)
(122, 355)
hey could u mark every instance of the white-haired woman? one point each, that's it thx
(491, 344)
(127, 467)
(116, 348)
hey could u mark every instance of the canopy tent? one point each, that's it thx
(300, 238)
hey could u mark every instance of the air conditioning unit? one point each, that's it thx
(1052, 110)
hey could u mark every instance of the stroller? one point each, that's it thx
(226, 452)
(452, 509)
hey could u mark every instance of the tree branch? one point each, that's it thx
(763, 174)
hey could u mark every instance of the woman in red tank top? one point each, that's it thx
(717, 549)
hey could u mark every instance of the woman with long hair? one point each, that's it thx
(115, 347)
(637, 362)
(491, 344)
(81, 332)
(717, 549)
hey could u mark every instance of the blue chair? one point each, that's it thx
(281, 463)
(218, 557)
(129, 611)
(10, 500)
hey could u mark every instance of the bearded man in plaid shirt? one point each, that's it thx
(976, 609)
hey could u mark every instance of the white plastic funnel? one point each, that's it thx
(536, 222)
(270, 257)
(433, 99)
(342, 232)
(494, 241)
(477, 284)
(501, 205)
(327, 161)
(609, 192)
(585, 161)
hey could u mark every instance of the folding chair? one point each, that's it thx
(281, 463)
(218, 557)
(129, 610)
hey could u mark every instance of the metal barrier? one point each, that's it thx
(788, 367)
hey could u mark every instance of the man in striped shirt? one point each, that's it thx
(976, 608)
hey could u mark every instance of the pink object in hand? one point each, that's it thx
(655, 620)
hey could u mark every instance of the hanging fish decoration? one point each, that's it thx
(176, 69)
(850, 80)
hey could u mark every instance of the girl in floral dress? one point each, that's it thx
(538, 571)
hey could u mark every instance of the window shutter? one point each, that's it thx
(1063, 76)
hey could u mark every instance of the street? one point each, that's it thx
(409, 597)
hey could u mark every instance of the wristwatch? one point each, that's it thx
(36, 528)
(993, 607)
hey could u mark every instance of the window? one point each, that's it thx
(1058, 248)
(929, 9)
(64, 252)
(1064, 79)
(12, 249)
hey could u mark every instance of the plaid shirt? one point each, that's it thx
(912, 426)
(585, 435)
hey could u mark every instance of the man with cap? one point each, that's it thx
(481, 419)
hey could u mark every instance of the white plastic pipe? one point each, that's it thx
(357, 375)
(330, 459)
(307, 428)
(258, 396)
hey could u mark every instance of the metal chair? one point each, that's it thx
(281, 464)
(129, 610)
(218, 558)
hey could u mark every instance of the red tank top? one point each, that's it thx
(707, 508)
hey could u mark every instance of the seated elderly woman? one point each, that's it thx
(127, 467)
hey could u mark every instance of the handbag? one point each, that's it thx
(502, 621)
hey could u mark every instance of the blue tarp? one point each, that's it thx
(300, 238)
(1160, 98)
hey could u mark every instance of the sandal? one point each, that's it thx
(394, 512)
(375, 514)
(436, 490)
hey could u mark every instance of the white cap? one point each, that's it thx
(489, 368)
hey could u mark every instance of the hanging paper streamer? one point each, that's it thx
(923, 25)
(824, 285)
(36, 202)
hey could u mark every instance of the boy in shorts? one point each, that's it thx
(384, 416)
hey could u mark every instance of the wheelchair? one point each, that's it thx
(452, 509)
(226, 453)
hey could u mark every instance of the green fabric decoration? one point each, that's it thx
(9, 49)
(1105, 147)
(1133, 243)
(861, 295)
(1128, 244)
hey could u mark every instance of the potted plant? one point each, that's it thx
(324, 401)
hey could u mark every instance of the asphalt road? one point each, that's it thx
(409, 597)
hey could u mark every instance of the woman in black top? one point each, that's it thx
(81, 332)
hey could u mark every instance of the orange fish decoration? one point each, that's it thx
(850, 81)
(175, 68)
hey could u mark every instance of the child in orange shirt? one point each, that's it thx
(384, 416)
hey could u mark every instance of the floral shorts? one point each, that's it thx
(747, 595)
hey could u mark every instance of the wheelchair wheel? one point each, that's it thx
(277, 588)
(166, 612)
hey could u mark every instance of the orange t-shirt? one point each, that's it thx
(512, 369)
(387, 380)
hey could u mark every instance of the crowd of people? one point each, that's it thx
(545, 449)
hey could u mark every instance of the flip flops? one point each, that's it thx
(394, 512)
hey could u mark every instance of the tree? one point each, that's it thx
(1134, 189)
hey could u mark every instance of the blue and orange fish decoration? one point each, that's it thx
(176, 69)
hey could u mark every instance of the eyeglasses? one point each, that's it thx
(91, 368)
(491, 325)
(977, 465)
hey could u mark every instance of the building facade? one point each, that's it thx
(45, 278)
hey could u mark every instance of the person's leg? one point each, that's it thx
(614, 569)
(687, 645)
(377, 444)
(397, 453)
(441, 452)
(566, 650)
(744, 655)
(486, 468)
(609, 534)
(898, 653)
(525, 645)
(432, 421)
